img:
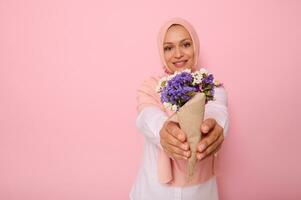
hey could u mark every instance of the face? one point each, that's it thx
(178, 48)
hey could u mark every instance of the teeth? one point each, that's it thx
(179, 64)
(180, 61)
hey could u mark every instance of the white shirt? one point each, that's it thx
(147, 186)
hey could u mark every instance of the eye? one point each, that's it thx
(167, 48)
(187, 44)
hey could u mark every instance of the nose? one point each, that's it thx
(178, 52)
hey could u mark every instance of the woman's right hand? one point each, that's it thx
(173, 140)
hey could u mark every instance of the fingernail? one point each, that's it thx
(202, 147)
(185, 146)
(181, 137)
(187, 153)
(205, 128)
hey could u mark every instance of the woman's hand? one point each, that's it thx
(173, 140)
(212, 138)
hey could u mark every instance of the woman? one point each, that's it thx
(179, 49)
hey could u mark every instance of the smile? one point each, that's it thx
(179, 64)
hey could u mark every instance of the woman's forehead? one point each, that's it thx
(176, 33)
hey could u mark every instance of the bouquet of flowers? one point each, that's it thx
(185, 93)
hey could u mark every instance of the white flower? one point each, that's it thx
(175, 73)
(170, 106)
(174, 108)
(187, 70)
(162, 84)
(203, 71)
(167, 105)
(169, 77)
(197, 78)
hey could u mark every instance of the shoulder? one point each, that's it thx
(150, 83)
(147, 95)
(152, 80)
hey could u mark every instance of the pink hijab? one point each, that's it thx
(193, 35)
(173, 172)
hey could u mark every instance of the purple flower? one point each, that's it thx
(181, 88)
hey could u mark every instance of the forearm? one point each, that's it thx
(149, 123)
(218, 109)
(220, 114)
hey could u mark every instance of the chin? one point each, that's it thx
(188, 67)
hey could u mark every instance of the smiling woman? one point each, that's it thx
(179, 50)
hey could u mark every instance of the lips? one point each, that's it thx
(179, 63)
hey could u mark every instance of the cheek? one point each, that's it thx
(167, 56)
(190, 53)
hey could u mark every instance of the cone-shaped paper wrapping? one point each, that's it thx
(190, 117)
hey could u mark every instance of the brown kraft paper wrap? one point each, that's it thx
(190, 117)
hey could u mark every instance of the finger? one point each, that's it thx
(175, 155)
(215, 151)
(170, 139)
(200, 157)
(208, 125)
(175, 130)
(211, 149)
(210, 138)
(174, 149)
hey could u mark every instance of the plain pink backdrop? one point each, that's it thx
(69, 71)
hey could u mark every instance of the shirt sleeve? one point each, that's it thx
(218, 110)
(149, 122)
(151, 118)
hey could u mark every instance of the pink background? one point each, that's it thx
(68, 76)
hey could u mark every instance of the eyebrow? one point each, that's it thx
(180, 41)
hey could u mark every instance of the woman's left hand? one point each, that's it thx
(212, 139)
